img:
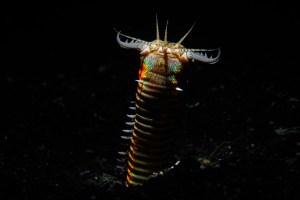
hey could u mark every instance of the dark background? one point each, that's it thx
(66, 86)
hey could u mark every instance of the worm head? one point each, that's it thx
(172, 49)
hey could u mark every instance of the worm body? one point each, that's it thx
(157, 104)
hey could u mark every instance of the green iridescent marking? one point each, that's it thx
(133, 183)
(175, 68)
(148, 63)
(134, 175)
(172, 78)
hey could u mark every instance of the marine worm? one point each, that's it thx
(157, 103)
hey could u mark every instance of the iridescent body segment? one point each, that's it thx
(160, 70)
(157, 105)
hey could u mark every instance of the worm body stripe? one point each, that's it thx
(157, 104)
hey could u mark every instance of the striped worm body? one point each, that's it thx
(157, 104)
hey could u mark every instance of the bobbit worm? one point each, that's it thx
(156, 105)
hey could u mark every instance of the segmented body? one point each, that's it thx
(157, 105)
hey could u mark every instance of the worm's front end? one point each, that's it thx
(157, 105)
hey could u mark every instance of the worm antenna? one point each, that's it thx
(181, 40)
(166, 32)
(157, 29)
